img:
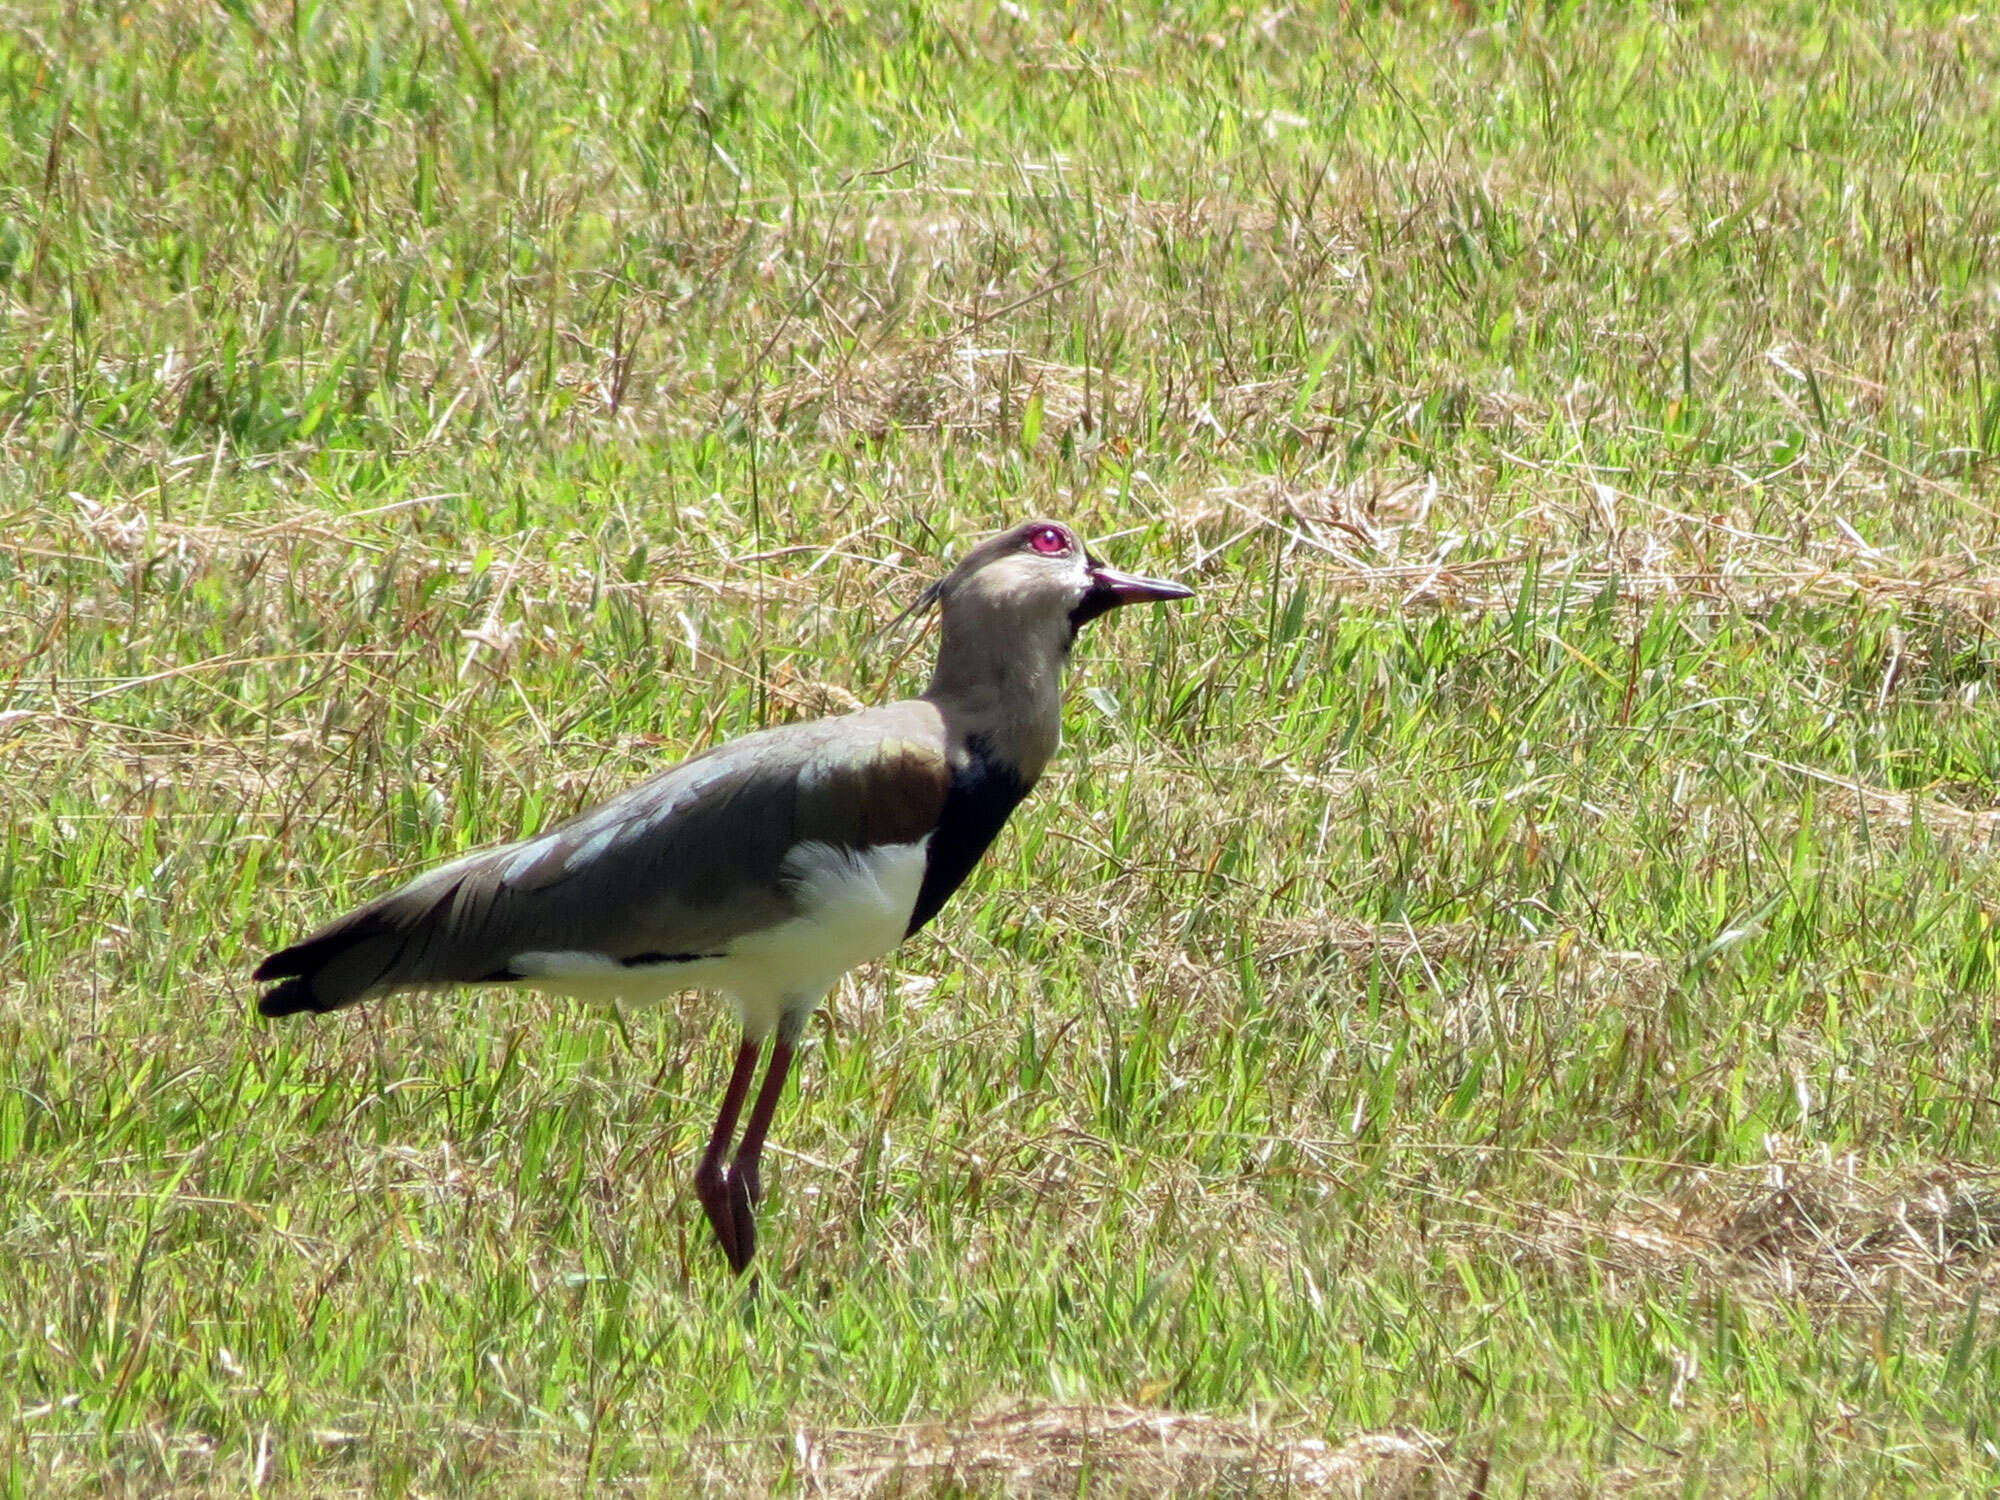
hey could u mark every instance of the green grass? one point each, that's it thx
(1516, 962)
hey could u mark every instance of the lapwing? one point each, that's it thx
(763, 868)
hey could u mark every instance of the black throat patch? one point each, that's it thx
(983, 792)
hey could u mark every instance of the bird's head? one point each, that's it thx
(1032, 587)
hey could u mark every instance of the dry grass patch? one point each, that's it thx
(1793, 1234)
(1046, 1452)
(1881, 810)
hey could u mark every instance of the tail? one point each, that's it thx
(345, 962)
(395, 942)
(289, 998)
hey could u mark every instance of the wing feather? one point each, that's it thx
(685, 863)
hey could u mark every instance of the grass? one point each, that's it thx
(1510, 975)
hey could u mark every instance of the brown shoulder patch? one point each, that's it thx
(902, 790)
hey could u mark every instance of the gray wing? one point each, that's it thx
(679, 866)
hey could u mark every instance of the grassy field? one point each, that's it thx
(1498, 998)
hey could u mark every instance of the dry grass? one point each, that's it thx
(1040, 1452)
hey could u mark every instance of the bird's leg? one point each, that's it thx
(711, 1179)
(746, 1188)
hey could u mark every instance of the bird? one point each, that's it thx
(765, 867)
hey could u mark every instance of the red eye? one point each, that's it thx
(1050, 540)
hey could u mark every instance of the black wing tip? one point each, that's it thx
(284, 964)
(289, 998)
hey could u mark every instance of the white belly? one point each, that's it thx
(853, 906)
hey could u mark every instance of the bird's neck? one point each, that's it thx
(1005, 693)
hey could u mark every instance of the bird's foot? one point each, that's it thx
(717, 1190)
(744, 1192)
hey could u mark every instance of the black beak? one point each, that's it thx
(1110, 588)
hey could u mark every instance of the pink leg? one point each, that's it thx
(746, 1188)
(711, 1180)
